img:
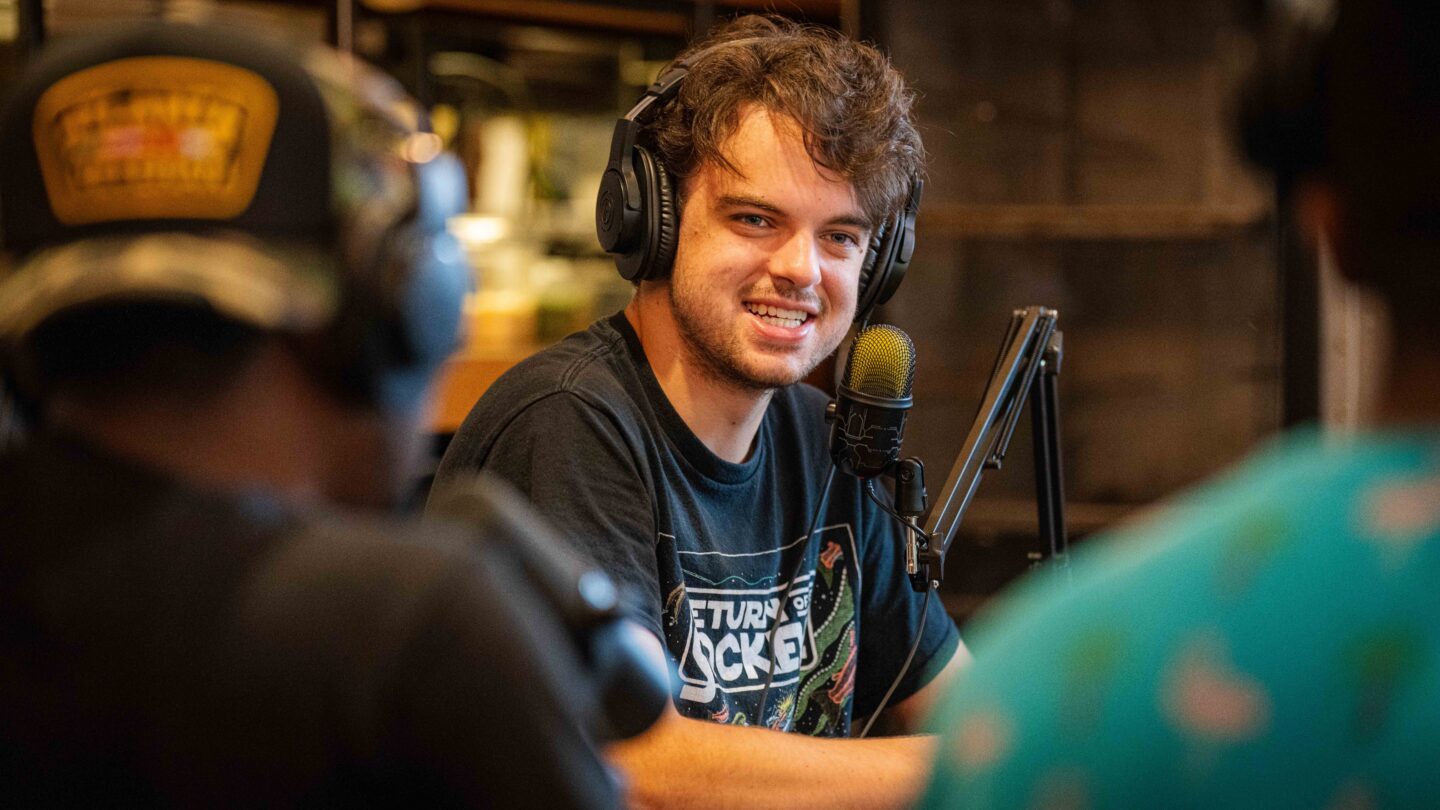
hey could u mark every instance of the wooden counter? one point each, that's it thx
(464, 378)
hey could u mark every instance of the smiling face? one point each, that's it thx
(768, 260)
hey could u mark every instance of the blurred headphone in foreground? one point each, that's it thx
(637, 216)
(406, 274)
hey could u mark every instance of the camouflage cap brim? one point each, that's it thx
(287, 288)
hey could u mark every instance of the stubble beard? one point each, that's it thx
(717, 350)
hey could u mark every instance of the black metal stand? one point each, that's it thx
(30, 18)
(1028, 363)
(1049, 476)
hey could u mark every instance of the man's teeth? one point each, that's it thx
(776, 315)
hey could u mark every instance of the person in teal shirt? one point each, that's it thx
(1272, 640)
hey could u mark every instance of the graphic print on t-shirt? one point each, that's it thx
(717, 624)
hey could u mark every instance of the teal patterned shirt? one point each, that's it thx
(1269, 641)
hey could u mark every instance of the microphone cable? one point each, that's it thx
(920, 634)
(886, 508)
(784, 596)
(904, 670)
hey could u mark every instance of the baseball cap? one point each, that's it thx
(170, 161)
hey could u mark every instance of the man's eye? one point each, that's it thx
(751, 220)
(844, 239)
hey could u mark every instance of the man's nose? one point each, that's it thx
(798, 260)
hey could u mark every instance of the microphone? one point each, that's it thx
(871, 402)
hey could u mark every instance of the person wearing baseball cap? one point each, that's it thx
(227, 286)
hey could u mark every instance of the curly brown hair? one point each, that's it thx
(853, 107)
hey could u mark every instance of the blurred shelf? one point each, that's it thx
(1089, 222)
(997, 516)
(558, 12)
(670, 18)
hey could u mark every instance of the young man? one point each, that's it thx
(1273, 641)
(231, 289)
(675, 445)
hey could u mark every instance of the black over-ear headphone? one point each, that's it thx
(637, 216)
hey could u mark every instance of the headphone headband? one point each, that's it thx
(665, 87)
(667, 84)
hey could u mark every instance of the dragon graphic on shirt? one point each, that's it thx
(718, 624)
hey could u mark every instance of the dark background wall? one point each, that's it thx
(1082, 158)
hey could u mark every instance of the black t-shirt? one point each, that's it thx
(705, 547)
(161, 645)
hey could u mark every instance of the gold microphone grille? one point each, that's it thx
(882, 363)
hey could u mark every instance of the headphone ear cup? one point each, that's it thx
(888, 256)
(426, 313)
(616, 223)
(427, 282)
(902, 239)
(404, 280)
(886, 261)
(667, 225)
(867, 270)
(650, 260)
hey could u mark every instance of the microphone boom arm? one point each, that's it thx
(1028, 362)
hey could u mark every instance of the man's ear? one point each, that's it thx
(1317, 209)
(1321, 215)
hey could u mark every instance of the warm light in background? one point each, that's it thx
(422, 147)
(474, 230)
(9, 21)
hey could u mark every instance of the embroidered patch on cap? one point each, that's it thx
(155, 137)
